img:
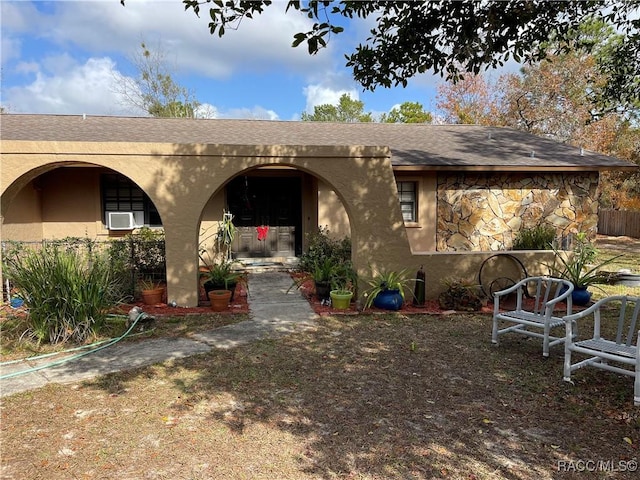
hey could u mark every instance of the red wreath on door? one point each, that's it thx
(262, 232)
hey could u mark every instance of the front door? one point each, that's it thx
(267, 214)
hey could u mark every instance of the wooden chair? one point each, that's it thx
(538, 320)
(603, 348)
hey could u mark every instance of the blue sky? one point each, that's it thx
(65, 56)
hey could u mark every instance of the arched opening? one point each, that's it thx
(64, 202)
(75, 200)
(273, 209)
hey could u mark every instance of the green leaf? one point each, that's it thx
(298, 39)
(312, 43)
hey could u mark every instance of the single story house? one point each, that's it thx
(442, 196)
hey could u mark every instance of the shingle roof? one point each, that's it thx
(412, 145)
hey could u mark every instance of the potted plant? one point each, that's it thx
(219, 299)
(220, 276)
(386, 289)
(341, 298)
(152, 291)
(343, 284)
(322, 275)
(580, 268)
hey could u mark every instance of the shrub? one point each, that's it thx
(68, 293)
(460, 295)
(137, 256)
(540, 237)
(322, 247)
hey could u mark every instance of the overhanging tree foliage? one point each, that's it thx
(449, 37)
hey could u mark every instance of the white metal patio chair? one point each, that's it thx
(539, 320)
(621, 347)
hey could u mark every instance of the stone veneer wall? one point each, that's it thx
(484, 211)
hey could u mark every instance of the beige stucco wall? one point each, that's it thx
(23, 220)
(440, 266)
(422, 234)
(331, 212)
(70, 205)
(211, 217)
(186, 182)
(181, 180)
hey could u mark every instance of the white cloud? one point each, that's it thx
(27, 68)
(87, 88)
(81, 46)
(255, 113)
(259, 44)
(10, 49)
(321, 95)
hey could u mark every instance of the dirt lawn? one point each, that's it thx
(360, 397)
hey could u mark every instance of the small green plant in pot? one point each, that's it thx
(343, 285)
(386, 289)
(220, 276)
(152, 291)
(323, 273)
(341, 298)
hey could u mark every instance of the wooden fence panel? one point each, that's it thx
(619, 222)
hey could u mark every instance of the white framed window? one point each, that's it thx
(408, 194)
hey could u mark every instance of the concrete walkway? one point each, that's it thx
(274, 312)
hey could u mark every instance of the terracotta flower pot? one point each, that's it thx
(152, 297)
(219, 299)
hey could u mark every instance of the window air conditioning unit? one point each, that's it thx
(120, 221)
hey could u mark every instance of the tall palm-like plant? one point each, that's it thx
(68, 294)
(580, 266)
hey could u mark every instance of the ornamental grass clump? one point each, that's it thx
(540, 237)
(67, 293)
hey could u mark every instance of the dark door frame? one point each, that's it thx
(267, 212)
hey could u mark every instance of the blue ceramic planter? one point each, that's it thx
(580, 296)
(388, 300)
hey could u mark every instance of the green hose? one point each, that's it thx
(102, 344)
